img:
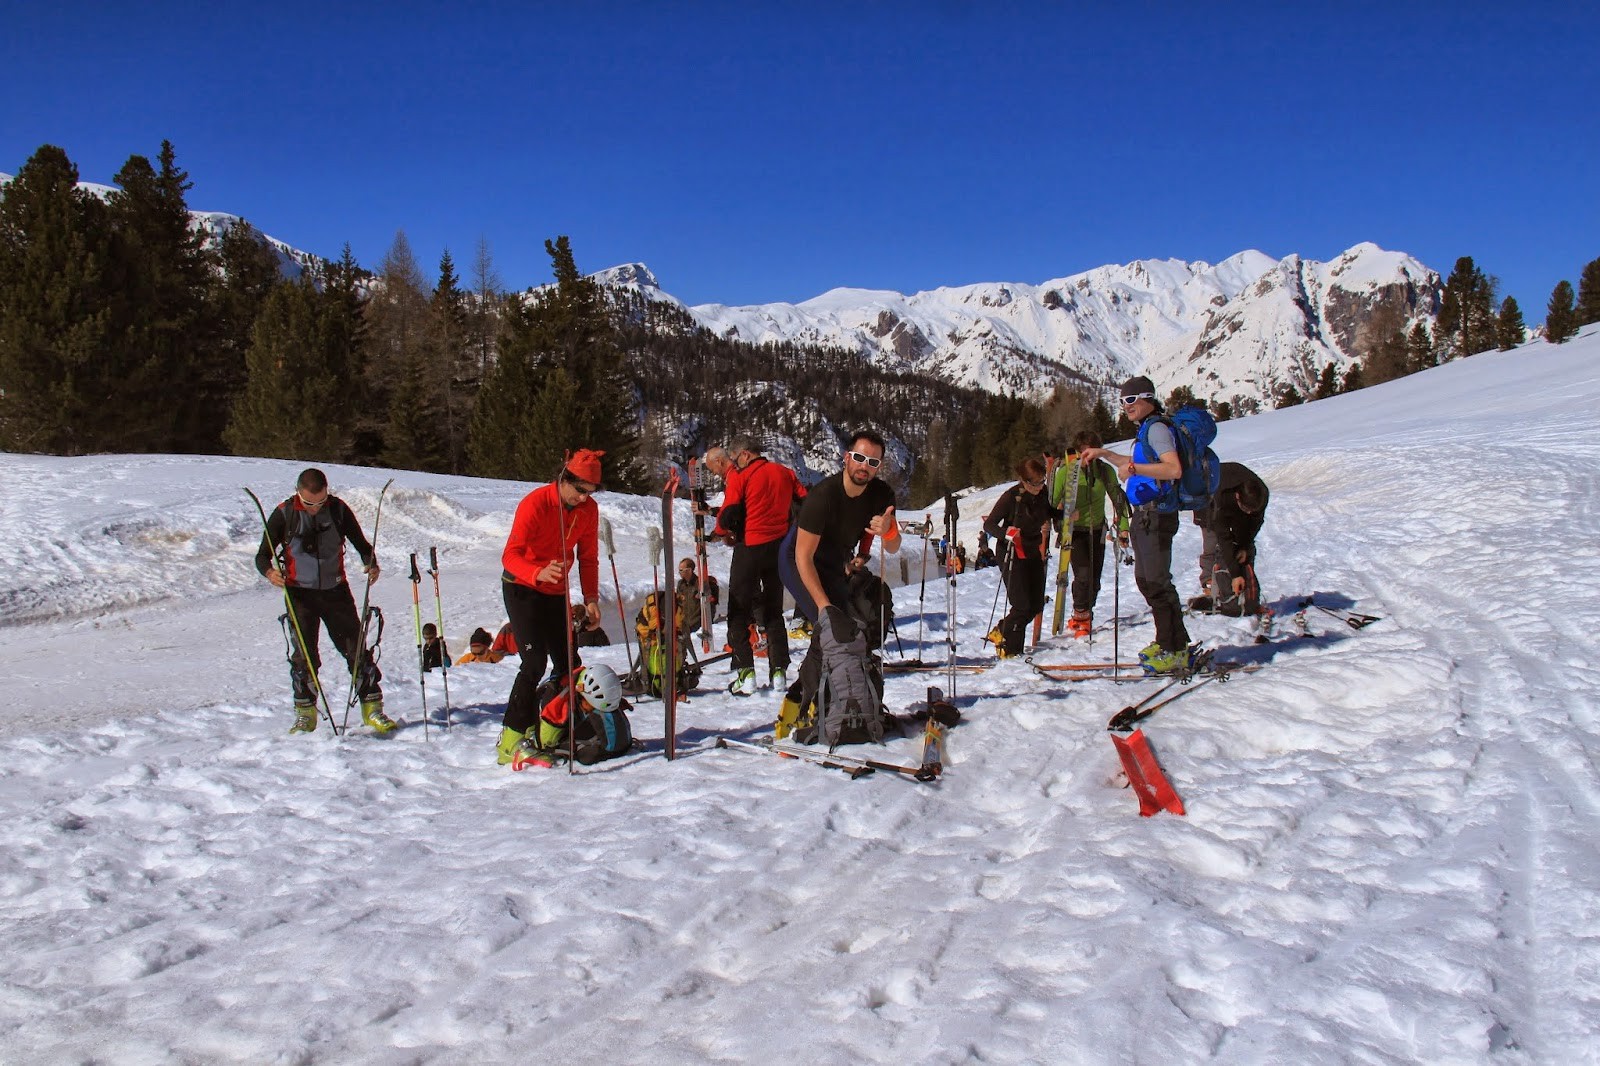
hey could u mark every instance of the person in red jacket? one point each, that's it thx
(552, 524)
(757, 508)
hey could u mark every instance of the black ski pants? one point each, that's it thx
(336, 609)
(1088, 562)
(755, 591)
(1151, 533)
(1025, 592)
(541, 623)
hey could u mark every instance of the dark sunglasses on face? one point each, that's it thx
(582, 489)
(1129, 401)
(868, 460)
(1036, 484)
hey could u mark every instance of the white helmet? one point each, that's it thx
(600, 685)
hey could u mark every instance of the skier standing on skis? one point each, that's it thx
(1023, 516)
(840, 517)
(1228, 530)
(1154, 523)
(311, 528)
(758, 505)
(552, 524)
(1086, 518)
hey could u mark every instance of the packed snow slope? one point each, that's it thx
(1388, 854)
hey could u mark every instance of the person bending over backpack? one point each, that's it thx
(1228, 530)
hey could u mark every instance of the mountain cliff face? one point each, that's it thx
(1236, 331)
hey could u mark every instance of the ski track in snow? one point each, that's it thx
(1388, 854)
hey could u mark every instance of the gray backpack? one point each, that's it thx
(849, 702)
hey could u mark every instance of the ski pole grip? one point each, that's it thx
(416, 575)
(433, 559)
(605, 536)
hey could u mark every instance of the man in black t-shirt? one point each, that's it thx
(841, 515)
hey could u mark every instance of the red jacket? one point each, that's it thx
(767, 490)
(536, 540)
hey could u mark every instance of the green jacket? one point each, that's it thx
(1095, 483)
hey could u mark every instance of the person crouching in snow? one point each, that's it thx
(601, 729)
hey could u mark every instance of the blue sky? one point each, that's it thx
(759, 152)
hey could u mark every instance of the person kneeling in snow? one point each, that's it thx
(601, 732)
(1228, 544)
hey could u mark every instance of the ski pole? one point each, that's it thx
(416, 614)
(1116, 601)
(566, 610)
(444, 648)
(288, 606)
(616, 583)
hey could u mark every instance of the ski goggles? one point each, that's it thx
(866, 460)
(1129, 401)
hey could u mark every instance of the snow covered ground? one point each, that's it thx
(1388, 854)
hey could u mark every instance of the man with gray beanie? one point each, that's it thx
(1155, 521)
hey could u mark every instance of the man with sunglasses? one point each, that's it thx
(552, 524)
(840, 517)
(763, 495)
(1155, 522)
(311, 528)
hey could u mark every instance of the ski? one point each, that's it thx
(669, 620)
(697, 497)
(849, 769)
(923, 772)
(1068, 502)
(366, 615)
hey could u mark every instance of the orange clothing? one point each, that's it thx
(486, 657)
(767, 490)
(536, 540)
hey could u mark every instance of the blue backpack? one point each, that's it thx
(1194, 429)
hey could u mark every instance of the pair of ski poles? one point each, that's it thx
(422, 650)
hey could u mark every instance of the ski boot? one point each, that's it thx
(744, 683)
(1081, 624)
(1155, 660)
(778, 678)
(509, 739)
(528, 753)
(305, 718)
(372, 715)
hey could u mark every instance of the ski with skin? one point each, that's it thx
(669, 621)
(849, 769)
(697, 495)
(1050, 464)
(366, 614)
(1068, 503)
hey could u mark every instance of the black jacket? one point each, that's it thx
(1234, 528)
(1030, 512)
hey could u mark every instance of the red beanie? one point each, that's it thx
(585, 465)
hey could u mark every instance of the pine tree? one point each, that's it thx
(1510, 328)
(1420, 352)
(402, 408)
(1466, 324)
(565, 327)
(1288, 396)
(161, 343)
(456, 365)
(1387, 360)
(1327, 382)
(54, 309)
(250, 271)
(1588, 309)
(293, 404)
(1352, 379)
(1561, 319)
